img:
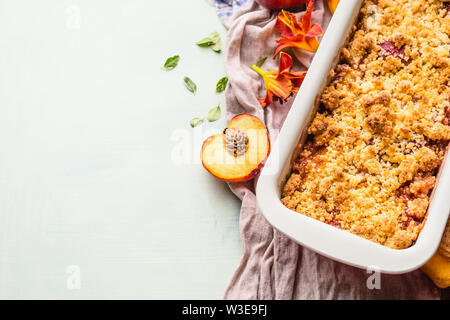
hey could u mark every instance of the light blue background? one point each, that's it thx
(90, 131)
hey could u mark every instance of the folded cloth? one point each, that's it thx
(226, 8)
(274, 267)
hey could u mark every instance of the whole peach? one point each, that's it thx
(280, 4)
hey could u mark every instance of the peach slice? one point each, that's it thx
(239, 153)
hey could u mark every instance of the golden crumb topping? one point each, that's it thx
(374, 148)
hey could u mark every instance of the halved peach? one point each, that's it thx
(239, 153)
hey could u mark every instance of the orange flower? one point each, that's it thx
(332, 4)
(280, 83)
(299, 34)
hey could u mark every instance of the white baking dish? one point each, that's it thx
(320, 237)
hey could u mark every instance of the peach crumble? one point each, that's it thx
(373, 150)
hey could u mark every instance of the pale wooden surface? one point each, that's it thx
(90, 130)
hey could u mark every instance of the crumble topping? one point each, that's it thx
(373, 150)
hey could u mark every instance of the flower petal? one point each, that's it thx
(306, 18)
(281, 46)
(264, 102)
(315, 31)
(332, 4)
(313, 43)
(280, 86)
(301, 42)
(285, 62)
(296, 77)
(286, 24)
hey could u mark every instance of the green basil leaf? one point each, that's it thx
(205, 42)
(215, 37)
(221, 85)
(213, 40)
(190, 85)
(261, 62)
(171, 62)
(196, 121)
(214, 114)
(217, 47)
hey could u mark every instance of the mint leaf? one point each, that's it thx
(215, 37)
(205, 42)
(214, 114)
(196, 121)
(213, 40)
(190, 85)
(221, 85)
(171, 63)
